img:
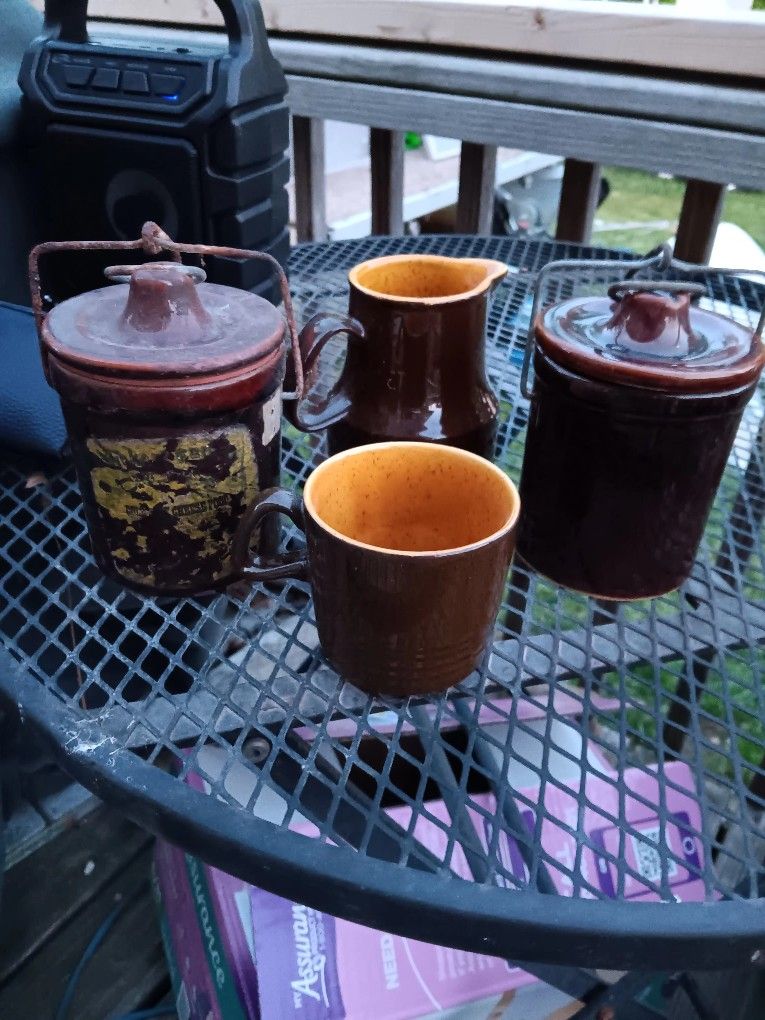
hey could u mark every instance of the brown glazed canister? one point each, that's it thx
(171, 391)
(637, 399)
(415, 364)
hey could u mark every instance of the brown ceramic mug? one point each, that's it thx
(408, 546)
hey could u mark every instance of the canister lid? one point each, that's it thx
(163, 323)
(645, 336)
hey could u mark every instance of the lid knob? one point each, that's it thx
(164, 300)
(645, 333)
(655, 314)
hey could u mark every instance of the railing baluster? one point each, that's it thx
(386, 149)
(578, 200)
(475, 201)
(308, 170)
(699, 217)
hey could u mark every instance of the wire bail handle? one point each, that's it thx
(153, 241)
(662, 260)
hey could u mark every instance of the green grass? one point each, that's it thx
(733, 705)
(639, 196)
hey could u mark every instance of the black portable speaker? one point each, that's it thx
(125, 129)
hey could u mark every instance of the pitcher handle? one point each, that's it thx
(310, 414)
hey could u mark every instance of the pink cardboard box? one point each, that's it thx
(285, 960)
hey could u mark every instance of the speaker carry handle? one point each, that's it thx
(154, 241)
(67, 21)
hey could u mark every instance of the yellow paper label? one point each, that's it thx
(169, 506)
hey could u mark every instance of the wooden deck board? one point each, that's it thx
(628, 34)
(51, 909)
(49, 887)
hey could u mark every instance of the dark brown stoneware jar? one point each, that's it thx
(171, 390)
(637, 399)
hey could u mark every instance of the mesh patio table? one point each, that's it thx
(586, 719)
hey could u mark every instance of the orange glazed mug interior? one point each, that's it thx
(411, 497)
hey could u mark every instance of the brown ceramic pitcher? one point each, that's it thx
(414, 367)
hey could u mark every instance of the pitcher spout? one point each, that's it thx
(425, 279)
(494, 273)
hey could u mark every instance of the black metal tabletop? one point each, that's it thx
(593, 795)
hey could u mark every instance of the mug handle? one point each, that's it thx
(272, 501)
(334, 406)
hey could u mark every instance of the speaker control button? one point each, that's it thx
(134, 81)
(167, 85)
(106, 78)
(77, 76)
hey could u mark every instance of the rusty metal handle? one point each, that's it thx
(153, 241)
(124, 274)
(618, 291)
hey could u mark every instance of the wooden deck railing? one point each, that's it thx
(710, 133)
(704, 128)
